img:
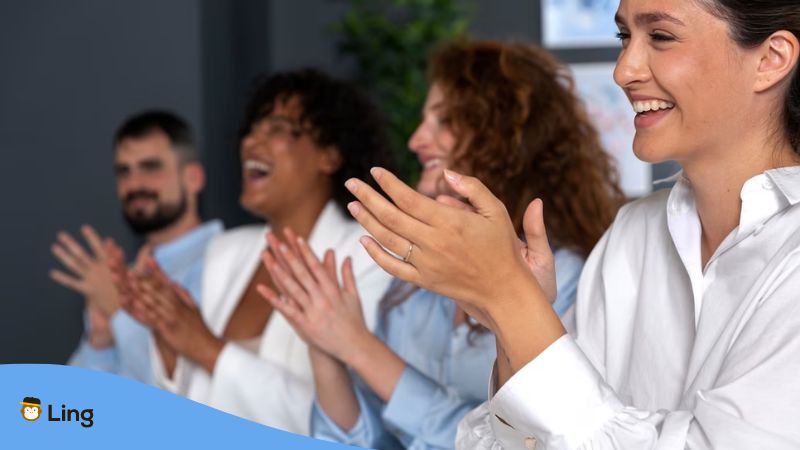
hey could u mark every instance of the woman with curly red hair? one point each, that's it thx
(506, 114)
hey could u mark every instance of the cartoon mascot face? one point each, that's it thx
(31, 408)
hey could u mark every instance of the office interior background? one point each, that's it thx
(71, 71)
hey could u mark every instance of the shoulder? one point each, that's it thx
(653, 206)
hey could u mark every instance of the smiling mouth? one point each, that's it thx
(254, 169)
(644, 107)
(432, 163)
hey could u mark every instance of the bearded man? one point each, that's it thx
(159, 179)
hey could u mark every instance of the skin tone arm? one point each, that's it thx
(329, 318)
(507, 299)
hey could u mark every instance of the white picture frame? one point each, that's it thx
(579, 23)
(612, 115)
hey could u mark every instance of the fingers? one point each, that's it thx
(408, 200)
(74, 248)
(535, 232)
(389, 239)
(326, 285)
(95, 243)
(478, 195)
(67, 281)
(140, 264)
(348, 279)
(329, 262)
(301, 273)
(454, 202)
(285, 282)
(389, 263)
(68, 260)
(273, 244)
(400, 219)
(289, 309)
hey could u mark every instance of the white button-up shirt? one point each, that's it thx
(662, 353)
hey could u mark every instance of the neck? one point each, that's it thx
(300, 218)
(717, 184)
(183, 225)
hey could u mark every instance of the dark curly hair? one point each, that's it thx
(338, 115)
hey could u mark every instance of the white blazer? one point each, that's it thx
(274, 387)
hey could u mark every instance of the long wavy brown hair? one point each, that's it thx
(522, 131)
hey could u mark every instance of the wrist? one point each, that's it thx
(360, 349)
(523, 322)
(207, 358)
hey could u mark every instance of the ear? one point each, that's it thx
(330, 161)
(779, 55)
(194, 177)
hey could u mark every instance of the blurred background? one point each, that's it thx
(71, 71)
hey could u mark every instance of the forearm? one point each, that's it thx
(377, 365)
(334, 387)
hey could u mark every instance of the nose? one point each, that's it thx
(417, 141)
(632, 65)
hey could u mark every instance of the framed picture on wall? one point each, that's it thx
(612, 115)
(579, 23)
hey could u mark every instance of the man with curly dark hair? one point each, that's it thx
(304, 134)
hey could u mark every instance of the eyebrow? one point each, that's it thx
(648, 18)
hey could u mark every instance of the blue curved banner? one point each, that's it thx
(52, 406)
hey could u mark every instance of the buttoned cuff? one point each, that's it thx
(558, 399)
(410, 401)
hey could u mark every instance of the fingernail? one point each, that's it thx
(284, 248)
(452, 176)
(353, 208)
(352, 186)
(364, 241)
(376, 173)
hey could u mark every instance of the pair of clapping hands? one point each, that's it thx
(466, 250)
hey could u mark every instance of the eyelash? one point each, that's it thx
(658, 37)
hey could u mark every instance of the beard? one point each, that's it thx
(165, 215)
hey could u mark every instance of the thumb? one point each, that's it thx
(535, 232)
(478, 195)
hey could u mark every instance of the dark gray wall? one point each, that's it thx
(71, 71)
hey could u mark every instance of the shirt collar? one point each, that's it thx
(197, 237)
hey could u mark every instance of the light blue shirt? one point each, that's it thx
(446, 375)
(182, 261)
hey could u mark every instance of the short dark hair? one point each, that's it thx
(176, 128)
(338, 114)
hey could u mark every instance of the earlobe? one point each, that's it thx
(331, 161)
(778, 60)
(195, 177)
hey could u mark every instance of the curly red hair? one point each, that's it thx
(522, 131)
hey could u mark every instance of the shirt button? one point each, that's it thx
(530, 443)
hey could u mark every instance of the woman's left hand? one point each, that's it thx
(323, 313)
(173, 315)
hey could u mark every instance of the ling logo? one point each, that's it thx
(31, 408)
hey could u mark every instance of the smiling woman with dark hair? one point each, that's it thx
(304, 133)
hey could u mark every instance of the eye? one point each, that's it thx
(661, 37)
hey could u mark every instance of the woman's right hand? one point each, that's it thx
(322, 312)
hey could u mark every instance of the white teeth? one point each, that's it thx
(252, 164)
(651, 105)
(432, 163)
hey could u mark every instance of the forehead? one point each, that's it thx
(684, 10)
(154, 145)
